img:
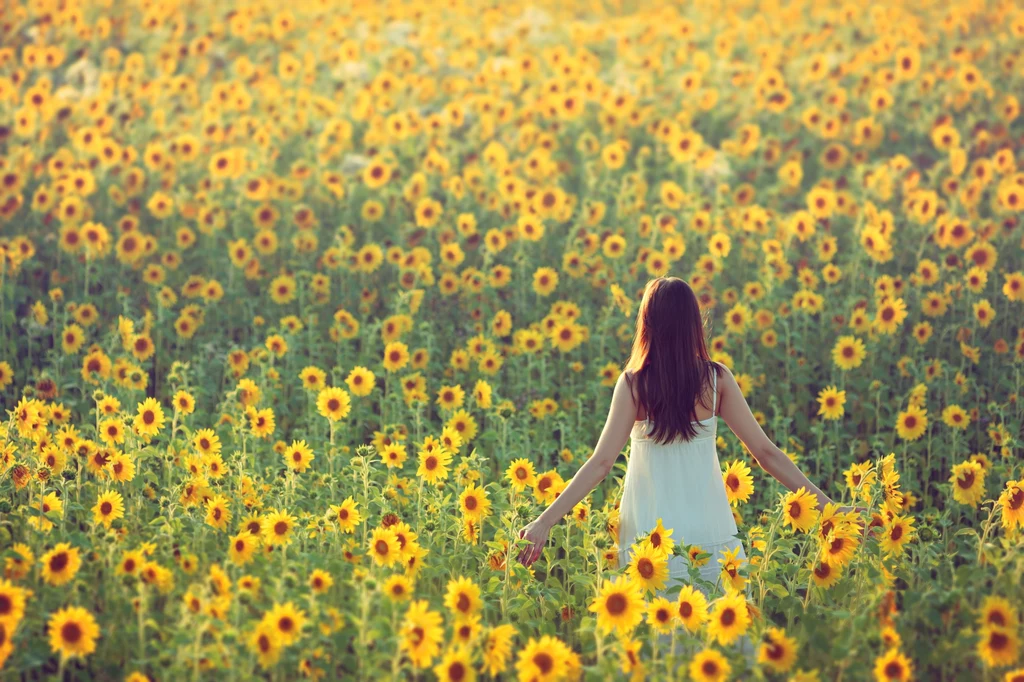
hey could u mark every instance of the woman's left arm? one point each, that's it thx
(621, 415)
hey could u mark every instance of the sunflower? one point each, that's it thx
(497, 648)
(731, 563)
(832, 402)
(462, 597)
(739, 484)
(298, 456)
(396, 356)
(968, 483)
(691, 608)
(898, 531)
(346, 515)
(912, 423)
(333, 403)
(149, 419)
(777, 652)
(397, 588)
(955, 417)
(474, 503)
(394, 455)
(287, 621)
(383, 547)
(434, 465)
(218, 512)
(313, 378)
(893, 666)
(183, 402)
(456, 666)
(800, 510)
(543, 660)
(60, 564)
(848, 353)
(266, 644)
(997, 612)
(73, 632)
(111, 431)
(109, 507)
(661, 614)
(421, 633)
(661, 538)
(206, 442)
(891, 314)
(709, 666)
(243, 548)
(839, 546)
(619, 605)
(648, 566)
(361, 381)
(729, 618)
(12, 604)
(1011, 501)
(520, 474)
(277, 528)
(320, 581)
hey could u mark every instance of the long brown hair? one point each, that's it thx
(669, 361)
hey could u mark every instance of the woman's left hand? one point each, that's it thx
(537, 534)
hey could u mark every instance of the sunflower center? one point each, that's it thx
(58, 562)
(795, 510)
(280, 528)
(896, 533)
(71, 633)
(1017, 499)
(709, 668)
(616, 604)
(381, 547)
(645, 567)
(106, 508)
(686, 609)
(967, 481)
(728, 617)
(463, 603)
(544, 662)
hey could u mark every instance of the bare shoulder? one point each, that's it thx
(721, 369)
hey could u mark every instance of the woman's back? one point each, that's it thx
(679, 482)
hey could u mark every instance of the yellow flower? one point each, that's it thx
(912, 423)
(739, 484)
(619, 605)
(333, 403)
(691, 608)
(109, 507)
(648, 566)
(149, 419)
(800, 510)
(60, 564)
(709, 666)
(462, 597)
(893, 666)
(73, 632)
(832, 402)
(848, 353)
(729, 618)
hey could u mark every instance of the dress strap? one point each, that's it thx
(714, 389)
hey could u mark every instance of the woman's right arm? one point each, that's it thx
(734, 409)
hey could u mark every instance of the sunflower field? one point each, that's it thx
(307, 307)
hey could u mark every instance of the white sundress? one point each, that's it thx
(679, 482)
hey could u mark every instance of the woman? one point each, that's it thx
(667, 402)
